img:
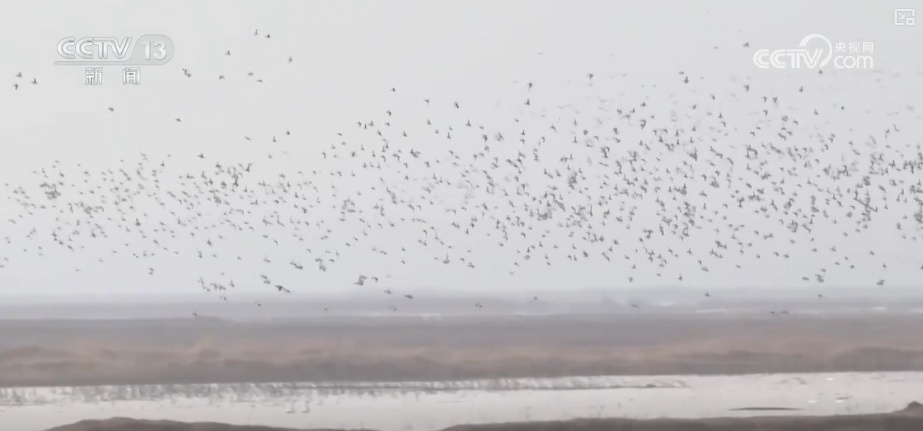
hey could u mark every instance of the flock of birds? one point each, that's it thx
(731, 176)
(19, 77)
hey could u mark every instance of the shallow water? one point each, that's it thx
(434, 405)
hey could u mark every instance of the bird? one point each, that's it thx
(547, 183)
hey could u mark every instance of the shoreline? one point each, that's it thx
(490, 383)
(501, 384)
(909, 418)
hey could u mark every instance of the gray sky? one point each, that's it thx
(346, 58)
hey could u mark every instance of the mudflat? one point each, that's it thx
(908, 419)
(205, 350)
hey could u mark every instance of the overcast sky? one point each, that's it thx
(347, 55)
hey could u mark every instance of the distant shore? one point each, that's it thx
(49, 353)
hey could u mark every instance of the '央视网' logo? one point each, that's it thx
(814, 52)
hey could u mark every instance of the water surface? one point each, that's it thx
(410, 406)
